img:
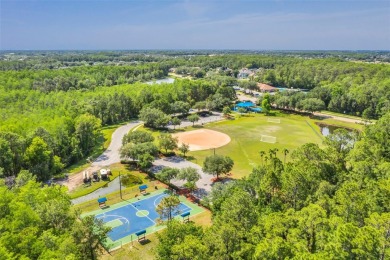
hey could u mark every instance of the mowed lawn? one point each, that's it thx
(245, 133)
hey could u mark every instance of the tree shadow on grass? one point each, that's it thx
(131, 166)
(189, 158)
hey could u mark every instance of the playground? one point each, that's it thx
(248, 105)
(133, 219)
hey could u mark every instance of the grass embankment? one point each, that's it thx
(107, 132)
(338, 123)
(325, 112)
(136, 177)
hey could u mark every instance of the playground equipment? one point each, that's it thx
(95, 177)
(86, 178)
(103, 174)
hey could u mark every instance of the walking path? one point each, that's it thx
(111, 187)
(111, 155)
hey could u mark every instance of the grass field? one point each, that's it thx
(245, 132)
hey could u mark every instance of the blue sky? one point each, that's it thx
(197, 24)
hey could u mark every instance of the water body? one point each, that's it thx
(160, 81)
(329, 129)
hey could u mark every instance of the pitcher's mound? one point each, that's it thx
(203, 139)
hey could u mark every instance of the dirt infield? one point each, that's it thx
(203, 139)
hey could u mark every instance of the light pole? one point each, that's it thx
(120, 184)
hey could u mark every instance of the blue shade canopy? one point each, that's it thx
(143, 187)
(185, 214)
(102, 200)
(140, 232)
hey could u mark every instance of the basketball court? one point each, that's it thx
(132, 216)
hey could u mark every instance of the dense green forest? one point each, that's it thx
(325, 203)
(39, 223)
(330, 203)
(54, 103)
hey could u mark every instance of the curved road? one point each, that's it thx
(111, 155)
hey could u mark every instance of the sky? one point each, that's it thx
(196, 24)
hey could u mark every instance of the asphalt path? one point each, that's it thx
(111, 187)
(111, 155)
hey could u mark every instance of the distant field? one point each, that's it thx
(245, 132)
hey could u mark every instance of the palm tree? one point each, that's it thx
(272, 152)
(285, 151)
(262, 153)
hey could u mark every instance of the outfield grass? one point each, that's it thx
(245, 133)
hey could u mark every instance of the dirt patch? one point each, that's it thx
(75, 180)
(203, 139)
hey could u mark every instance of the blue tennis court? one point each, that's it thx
(135, 216)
